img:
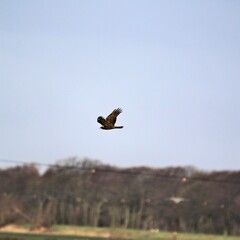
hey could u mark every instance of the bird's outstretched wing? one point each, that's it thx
(112, 118)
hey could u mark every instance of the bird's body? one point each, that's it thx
(109, 122)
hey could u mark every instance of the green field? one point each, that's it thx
(91, 233)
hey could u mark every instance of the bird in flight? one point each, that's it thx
(109, 122)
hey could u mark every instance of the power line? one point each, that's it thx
(132, 172)
(26, 163)
(68, 195)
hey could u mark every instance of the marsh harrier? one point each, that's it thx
(109, 122)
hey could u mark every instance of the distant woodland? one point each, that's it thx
(89, 193)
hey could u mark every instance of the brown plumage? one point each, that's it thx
(109, 122)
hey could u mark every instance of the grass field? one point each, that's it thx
(75, 233)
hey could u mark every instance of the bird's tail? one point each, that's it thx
(118, 127)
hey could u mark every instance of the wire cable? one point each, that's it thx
(129, 171)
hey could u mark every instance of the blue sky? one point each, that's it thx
(172, 66)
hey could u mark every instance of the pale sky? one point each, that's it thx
(172, 66)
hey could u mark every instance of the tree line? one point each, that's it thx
(88, 193)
